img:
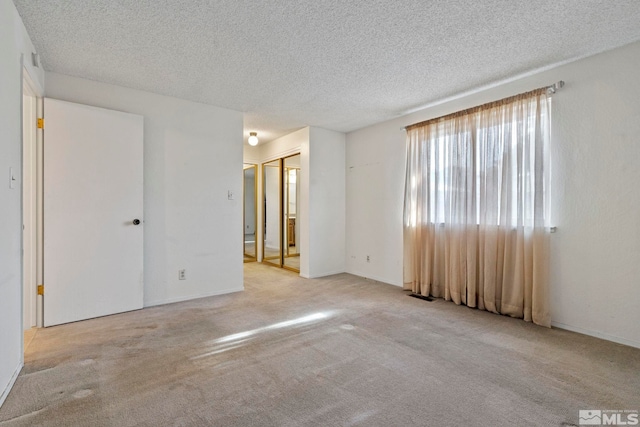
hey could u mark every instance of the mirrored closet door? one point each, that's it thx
(281, 193)
(272, 245)
(250, 212)
(291, 223)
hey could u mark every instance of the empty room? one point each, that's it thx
(319, 213)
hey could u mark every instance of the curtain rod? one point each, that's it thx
(549, 89)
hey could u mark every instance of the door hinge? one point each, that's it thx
(40, 123)
(40, 289)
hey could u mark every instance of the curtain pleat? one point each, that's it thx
(476, 208)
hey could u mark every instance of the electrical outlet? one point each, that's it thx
(368, 259)
(182, 274)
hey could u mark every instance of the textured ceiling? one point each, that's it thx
(336, 64)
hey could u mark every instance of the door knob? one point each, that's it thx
(136, 221)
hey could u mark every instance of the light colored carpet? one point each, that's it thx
(292, 262)
(337, 351)
(249, 247)
(29, 335)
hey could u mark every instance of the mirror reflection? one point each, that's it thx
(271, 190)
(291, 224)
(250, 212)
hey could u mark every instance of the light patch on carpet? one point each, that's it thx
(233, 341)
(87, 362)
(222, 350)
(286, 324)
(23, 417)
(358, 419)
(80, 394)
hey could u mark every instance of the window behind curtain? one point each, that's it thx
(476, 207)
(487, 156)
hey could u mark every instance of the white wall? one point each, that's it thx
(271, 196)
(375, 162)
(251, 154)
(192, 157)
(321, 216)
(326, 202)
(284, 146)
(595, 265)
(14, 44)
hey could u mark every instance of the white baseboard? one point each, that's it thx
(190, 297)
(376, 278)
(329, 273)
(596, 334)
(12, 381)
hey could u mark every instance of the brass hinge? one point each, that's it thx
(40, 123)
(40, 289)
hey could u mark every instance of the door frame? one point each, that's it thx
(271, 260)
(246, 166)
(31, 213)
(285, 211)
(281, 208)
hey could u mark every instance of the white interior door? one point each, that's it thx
(93, 250)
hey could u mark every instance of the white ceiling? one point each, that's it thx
(335, 64)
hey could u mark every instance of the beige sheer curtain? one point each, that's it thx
(476, 210)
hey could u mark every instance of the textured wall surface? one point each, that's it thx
(595, 268)
(14, 43)
(192, 157)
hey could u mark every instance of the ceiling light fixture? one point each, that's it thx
(253, 138)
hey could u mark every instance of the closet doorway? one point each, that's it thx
(281, 228)
(249, 206)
